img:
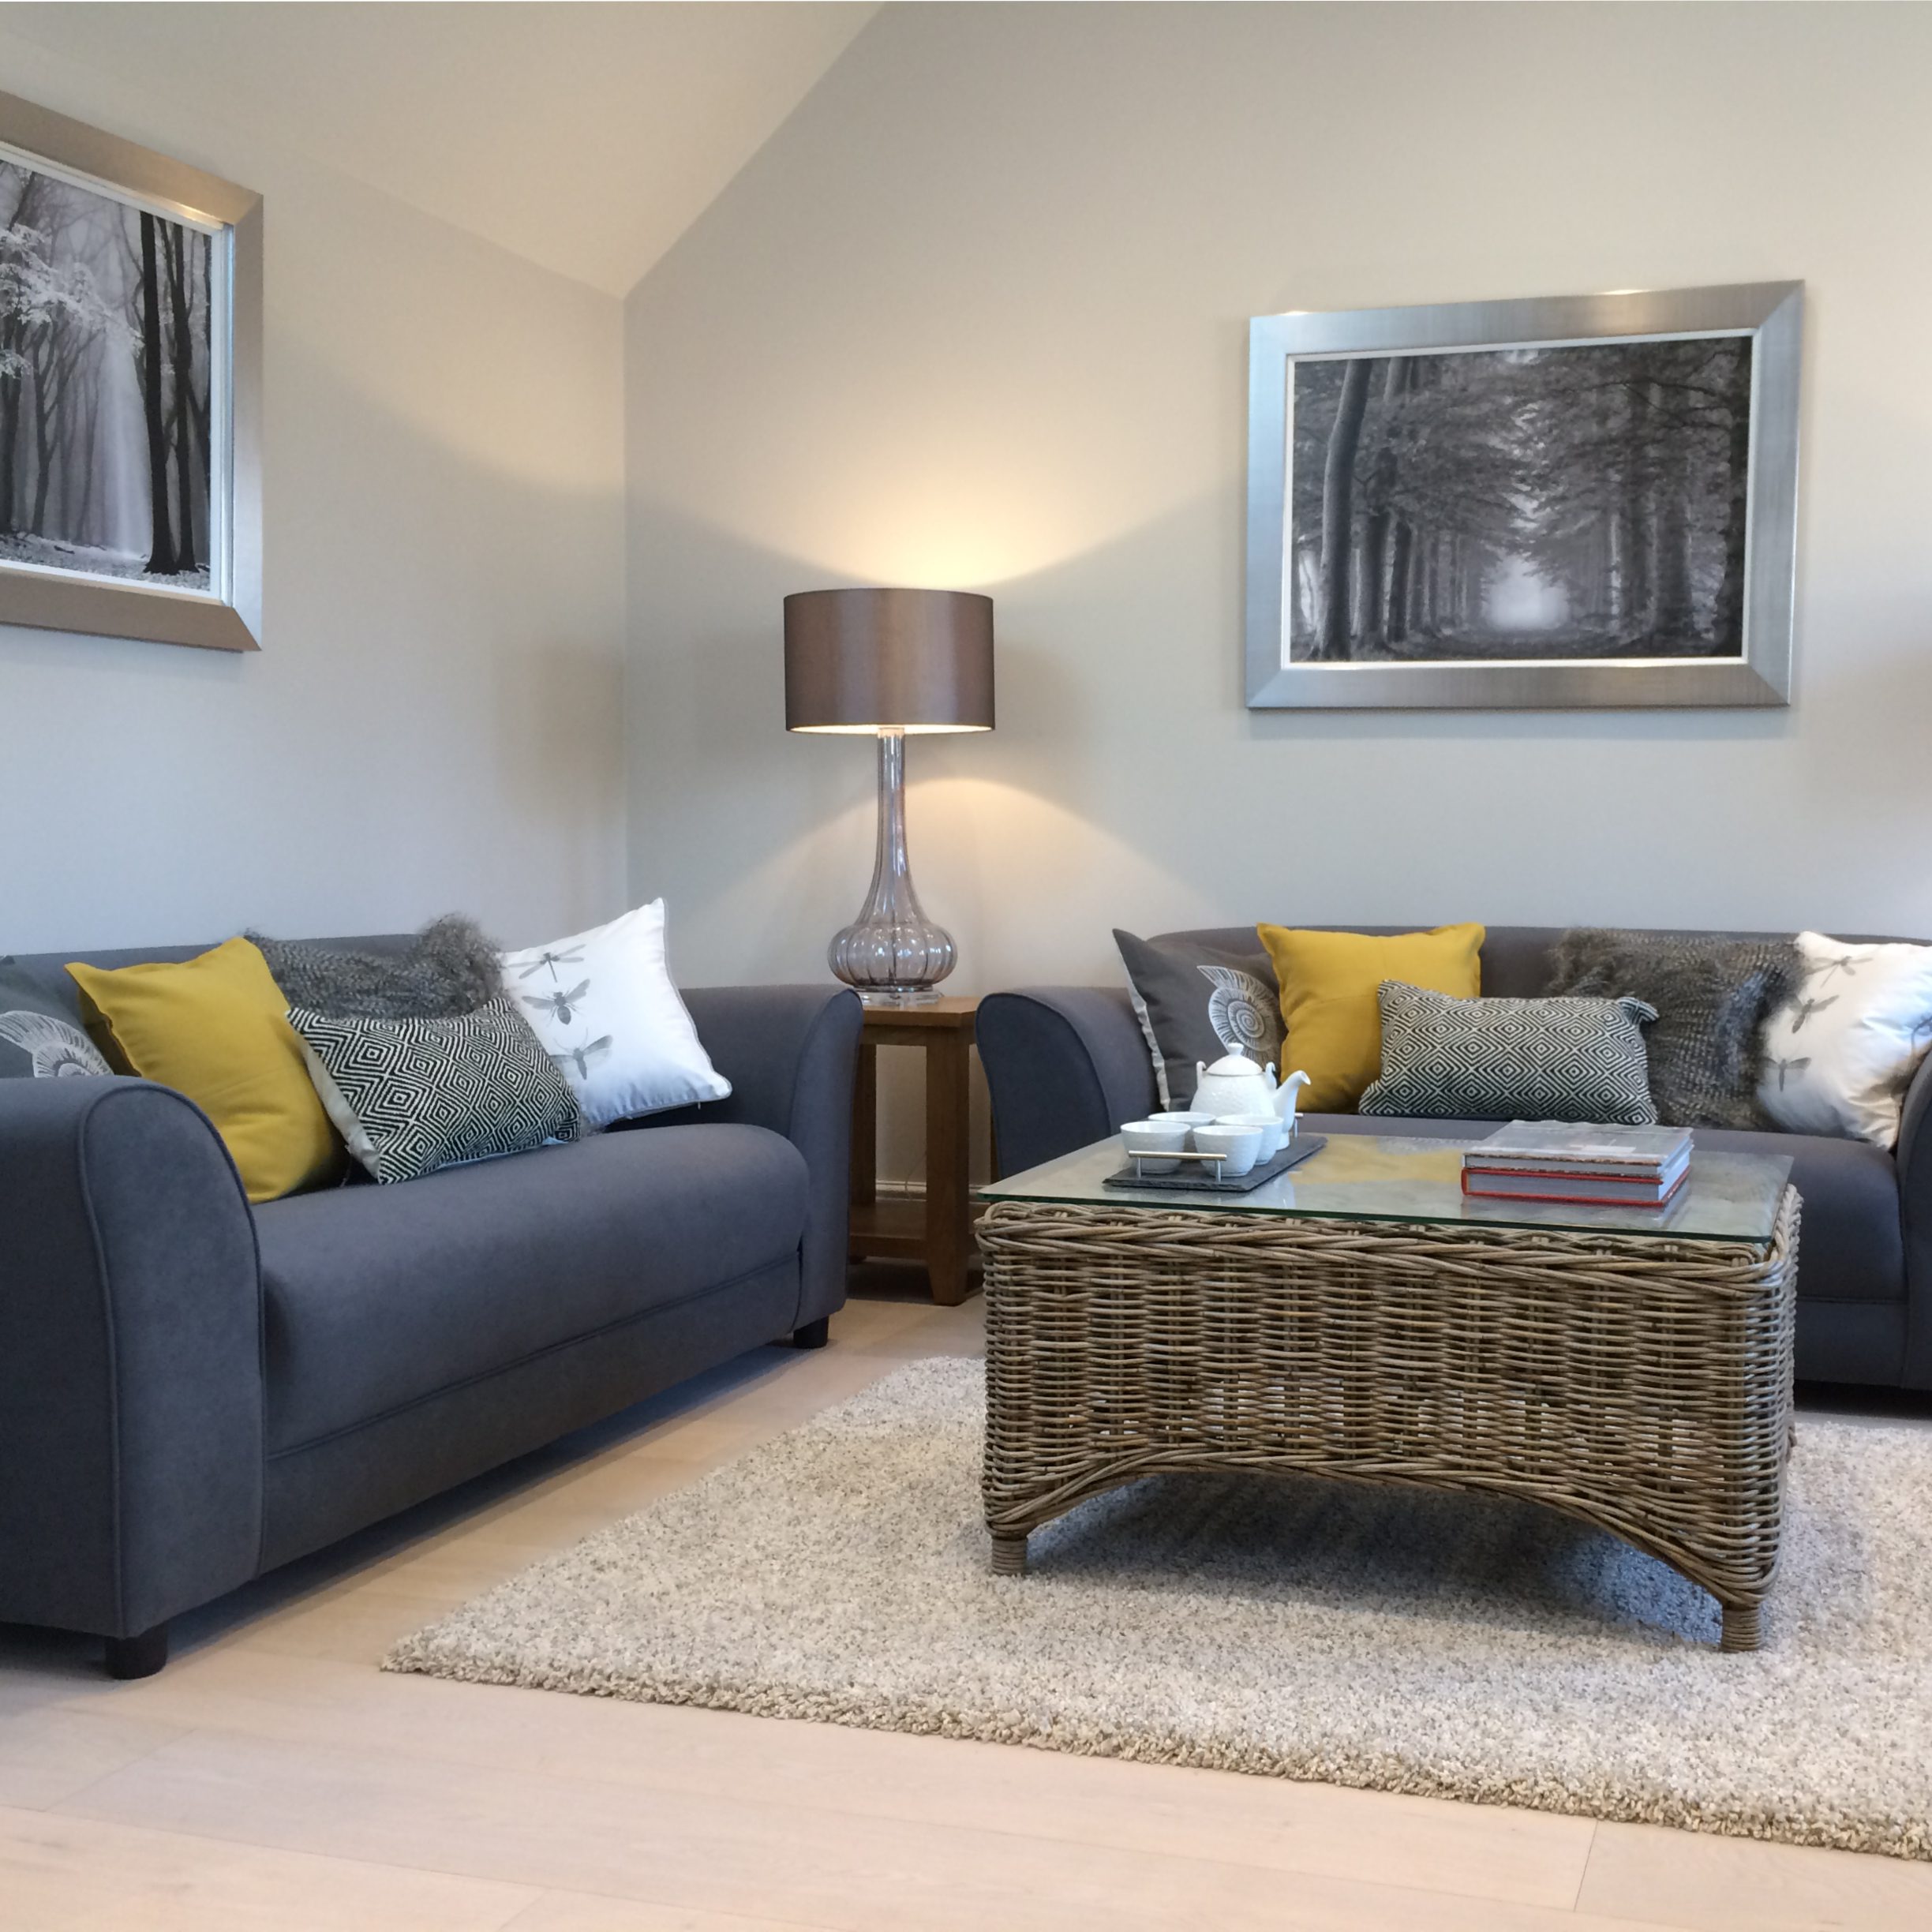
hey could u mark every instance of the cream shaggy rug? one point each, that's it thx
(1400, 1641)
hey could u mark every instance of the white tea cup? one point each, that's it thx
(1268, 1125)
(1239, 1147)
(1151, 1139)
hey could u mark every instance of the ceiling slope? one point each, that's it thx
(585, 137)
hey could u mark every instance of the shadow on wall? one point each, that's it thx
(781, 816)
(434, 720)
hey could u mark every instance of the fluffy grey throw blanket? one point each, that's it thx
(1712, 996)
(448, 969)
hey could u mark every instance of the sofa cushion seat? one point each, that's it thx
(376, 1297)
(1850, 1246)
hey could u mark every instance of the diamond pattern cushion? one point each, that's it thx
(412, 1096)
(1512, 1059)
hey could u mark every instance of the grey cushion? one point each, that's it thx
(380, 1297)
(1196, 1002)
(1511, 1059)
(449, 967)
(1712, 996)
(412, 1096)
(41, 1033)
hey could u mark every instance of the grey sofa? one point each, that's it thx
(192, 1392)
(1066, 1065)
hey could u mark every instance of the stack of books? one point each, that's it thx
(1594, 1166)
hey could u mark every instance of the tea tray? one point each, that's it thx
(1201, 1180)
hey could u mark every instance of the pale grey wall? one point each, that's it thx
(434, 721)
(976, 317)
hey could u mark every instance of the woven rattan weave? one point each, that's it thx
(1640, 1384)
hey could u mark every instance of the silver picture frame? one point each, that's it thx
(228, 615)
(1756, 672)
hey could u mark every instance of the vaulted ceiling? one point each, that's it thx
(586, 137)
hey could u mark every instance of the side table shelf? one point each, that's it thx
(938, 1230)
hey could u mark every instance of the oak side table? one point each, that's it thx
(938, 1230)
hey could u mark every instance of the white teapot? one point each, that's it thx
(1235, 1085)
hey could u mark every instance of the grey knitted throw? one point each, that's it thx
(448, 969)
(1711, 995)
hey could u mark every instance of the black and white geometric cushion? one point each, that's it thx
(1572, 1059)
(411, 1095)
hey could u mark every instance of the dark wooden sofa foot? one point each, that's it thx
(138, 1656)
(814, 1334)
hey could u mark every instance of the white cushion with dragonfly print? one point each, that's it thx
(1839, 1058)
(603, 1004)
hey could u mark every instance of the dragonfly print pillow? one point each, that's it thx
(604, 1006)
(1840, 1056)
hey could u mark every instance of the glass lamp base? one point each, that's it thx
(898, 996)
(892, 955)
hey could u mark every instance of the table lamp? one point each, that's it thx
(889, 663)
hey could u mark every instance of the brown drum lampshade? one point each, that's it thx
(879, 661)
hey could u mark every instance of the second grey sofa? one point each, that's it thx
(1066, 1065)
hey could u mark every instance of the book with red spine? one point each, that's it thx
(1571, 1189)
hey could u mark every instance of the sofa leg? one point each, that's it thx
(814, 1334)
(138, 1656)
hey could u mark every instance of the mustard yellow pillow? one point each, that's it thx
(1329, 982)
(216, 1029)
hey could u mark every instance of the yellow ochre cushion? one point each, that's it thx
(1329, 982)
(216, 1029)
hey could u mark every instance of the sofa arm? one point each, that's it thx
(790, 1052)
(131, 1432)
(1064, 1066)
(1913, 1158)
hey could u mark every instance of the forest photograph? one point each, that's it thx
(1539, 502)
(106, 384)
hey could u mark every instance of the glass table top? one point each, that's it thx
(1389, 1178)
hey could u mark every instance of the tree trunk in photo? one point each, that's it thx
(1402, 552)
(1728, 616)
(1613, 527)
(10, 435)
(1338, 510)
(184, 397)
(1372, 624)
(161, 556)
(1379, 531)
(1638, 541)
(46, 404)
(83, 515)
(1676, 621)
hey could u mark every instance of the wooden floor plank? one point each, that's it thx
(48, 1753)
(580, 1911)
(62, 1873)
(1702, 1883)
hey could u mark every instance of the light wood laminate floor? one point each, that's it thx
(273, 1777)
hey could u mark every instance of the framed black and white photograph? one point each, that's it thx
(1585, 501)
(130, 360)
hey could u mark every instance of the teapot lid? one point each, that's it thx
(1236, 1063)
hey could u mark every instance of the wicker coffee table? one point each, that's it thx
(1360, 1317)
